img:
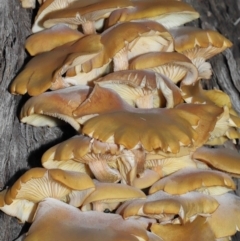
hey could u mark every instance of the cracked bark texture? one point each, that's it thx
(21, 146)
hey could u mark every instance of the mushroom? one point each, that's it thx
(49, 39)
(188, 179)
(177, 67)
(199, 45)
(143, 89)
(89, 15)
(50, 108)
(220, 158)
(108, 196)
(79, 225)
(45, 70)
(168, 13)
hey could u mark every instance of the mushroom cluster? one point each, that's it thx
(153, 158)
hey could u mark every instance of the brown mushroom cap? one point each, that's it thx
(39, 183)
(198, 230)
(96, 225)
(177, 67)
(188, 179)
(49, 39)
(107, 193)
(51, 108)
(155, 129)
(142, 88)
(220, 158)
(44, 70)
(90, 13)
(168, 13)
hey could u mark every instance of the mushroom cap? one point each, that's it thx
(51, 108)
(38, 183)
(49, 39)
(137, 86)
(177, 67)
(197, 230)
(78, 13)
(168, 13)
(112, 193)
(44, 70)
(189, 179)
(225, 221)
(223, 159)
(165, 207)
(155, 129)
(196, 42)
(96, 225)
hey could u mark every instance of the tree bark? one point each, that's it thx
(21, 146)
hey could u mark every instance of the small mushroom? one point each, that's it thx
(168, 13)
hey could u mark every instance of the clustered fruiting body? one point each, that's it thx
(130, 84)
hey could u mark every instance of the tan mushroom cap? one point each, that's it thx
(199, 45)
(96, 156)
(207, 42)
(45, 70)
(198, 230)
(49, 39)
(106, 194)
(168, 13)
(177, 67)
(39, 183)
(96, 225)
(28, 3)
(207, 181)
(155, 129)
(223, 159)
(165, 207)
(90, 15)
(225, 221)
(142, 88)
(51, 108)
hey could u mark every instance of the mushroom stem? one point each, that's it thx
(145, 102)
(88, 27)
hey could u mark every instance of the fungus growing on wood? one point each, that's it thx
(168, 13)
(188, 179)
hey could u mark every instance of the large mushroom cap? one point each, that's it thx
(168, 13)
(155, 129)
(188, 179)
(65, 222)
(45, 70)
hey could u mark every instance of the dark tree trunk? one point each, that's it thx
(21, 146)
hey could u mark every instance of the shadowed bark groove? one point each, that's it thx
(21, 146)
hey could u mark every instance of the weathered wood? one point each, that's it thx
(21, 146)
